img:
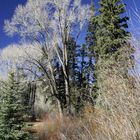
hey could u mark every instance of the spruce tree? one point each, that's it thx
(108, 37)
(91, 42)
(111, 33)
(73, 68)
(12, 111)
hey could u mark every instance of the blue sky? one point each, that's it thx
(7, 8)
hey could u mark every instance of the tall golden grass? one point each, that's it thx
(116, 116)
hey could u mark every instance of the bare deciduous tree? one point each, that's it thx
(50, 24)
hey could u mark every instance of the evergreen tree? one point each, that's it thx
(91, 42)
(12, 111)
(73, 68)
(108, 37)
(111, 33)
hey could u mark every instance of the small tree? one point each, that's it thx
(12, 111)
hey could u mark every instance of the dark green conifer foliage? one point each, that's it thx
(12, 111)
(91, 35)
(108, 38)
(111, 32)
(73, 68)
(91, 42)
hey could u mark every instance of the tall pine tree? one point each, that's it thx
(109, 38)
(111, 33)
(91, 42)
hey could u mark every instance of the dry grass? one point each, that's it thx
(116, 115)
(119, 106)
